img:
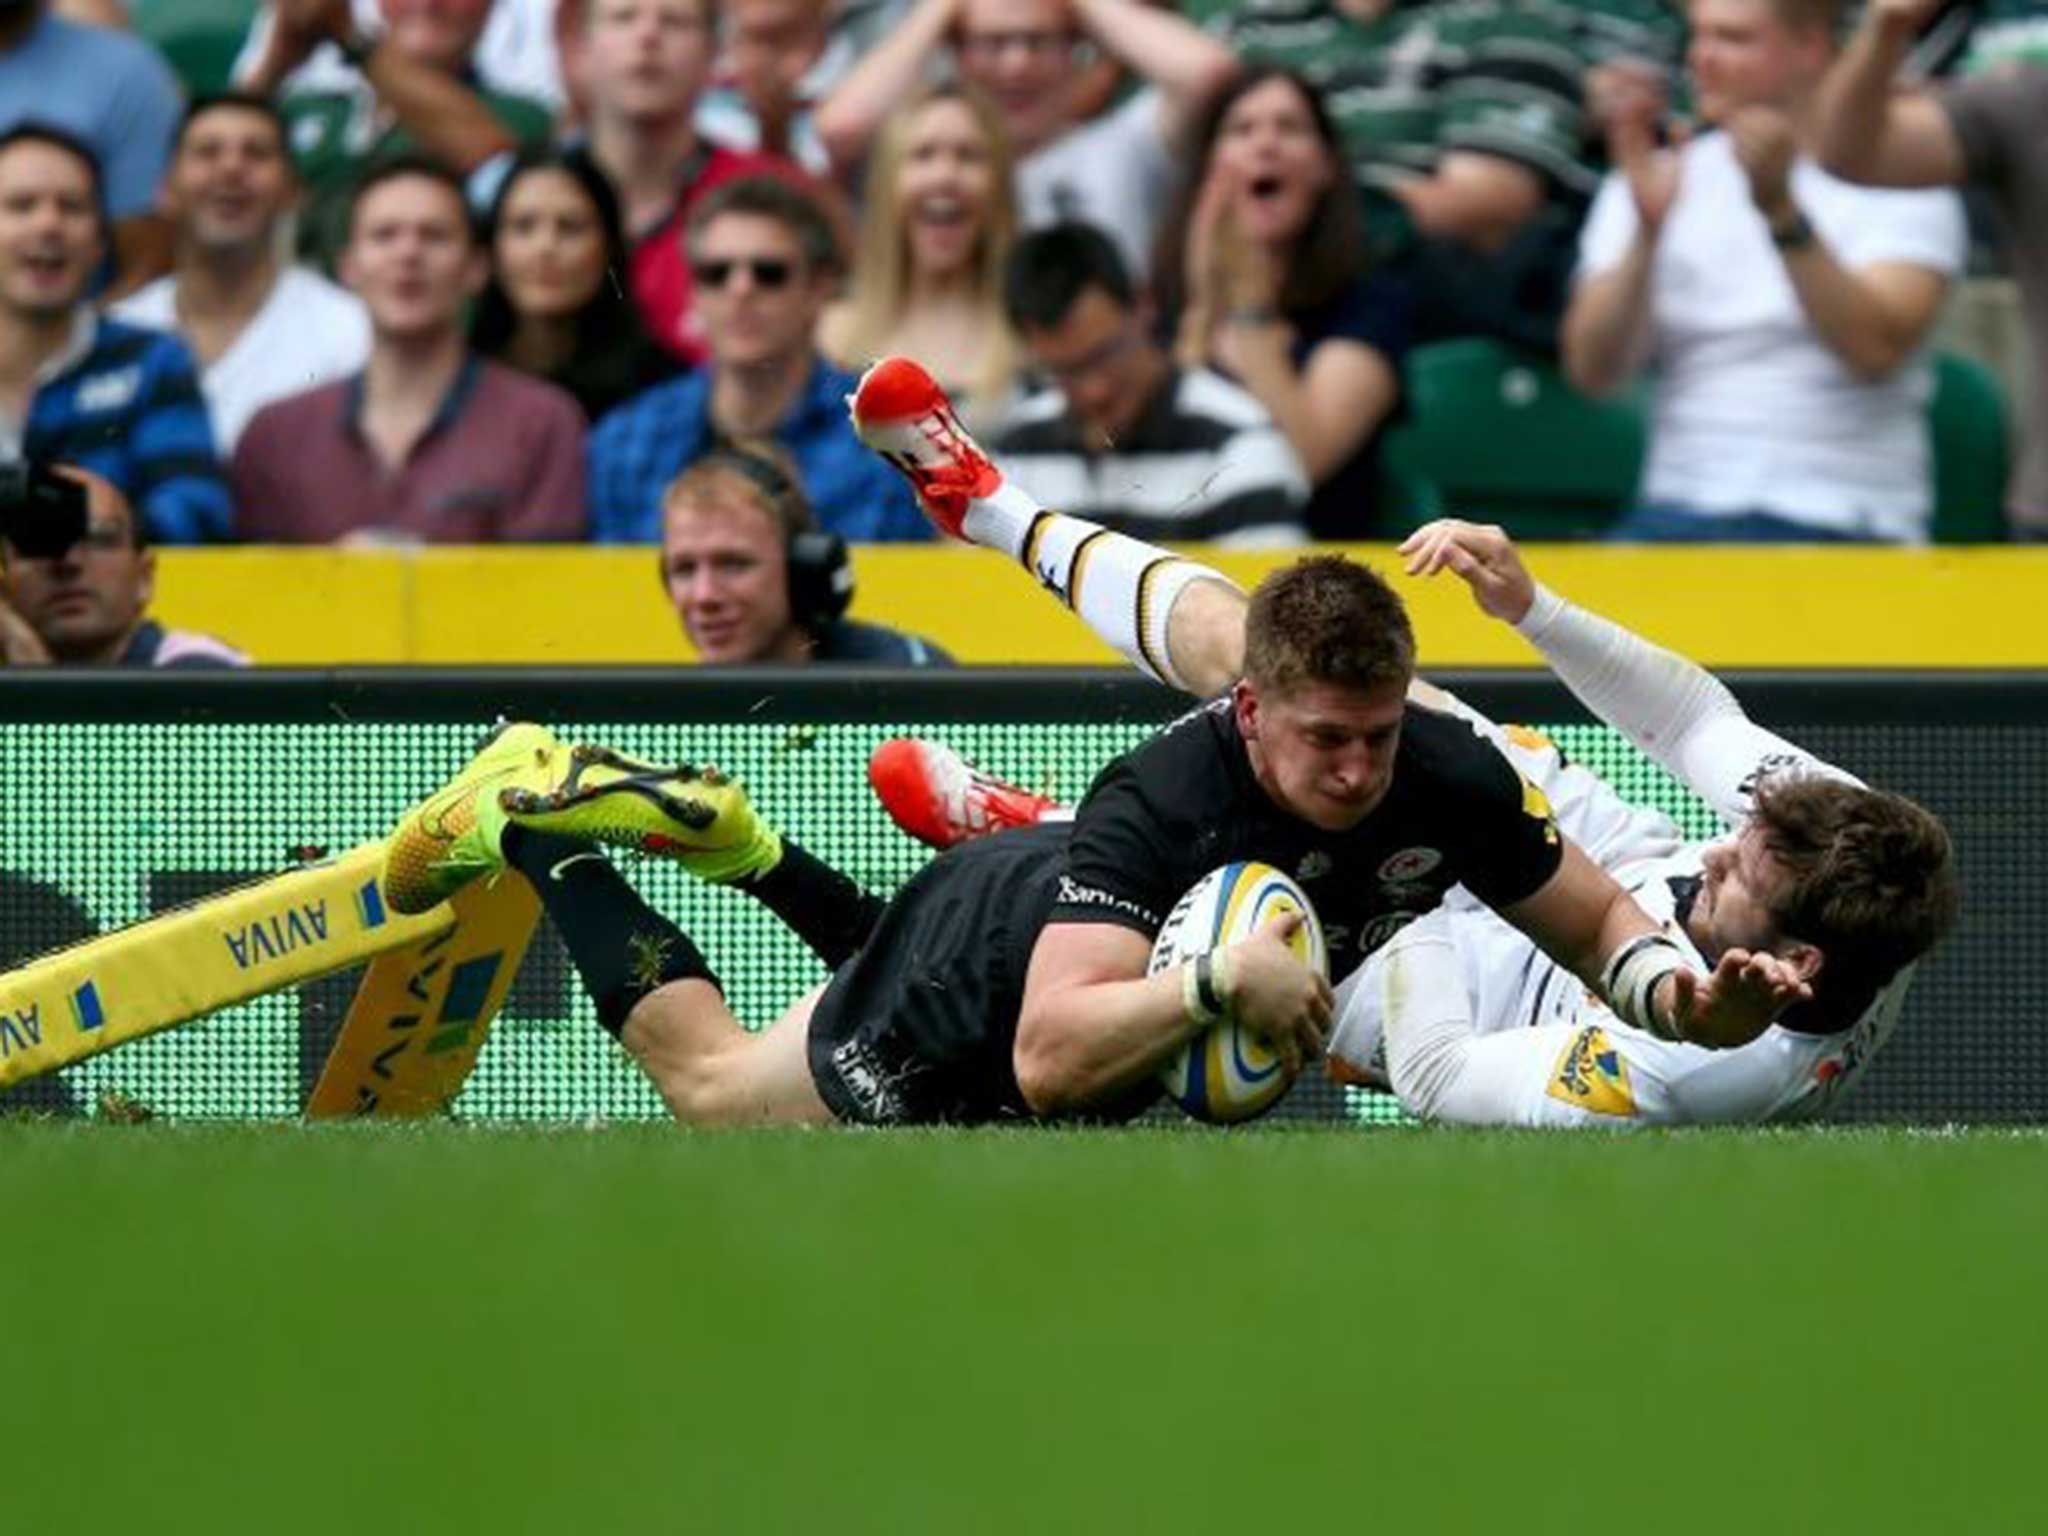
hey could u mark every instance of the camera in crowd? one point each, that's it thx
(42, 513)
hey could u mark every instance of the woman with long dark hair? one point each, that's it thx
(1261, 270)
(559, 302)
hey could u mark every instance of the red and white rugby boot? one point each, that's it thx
(941, 799)
(899, 411)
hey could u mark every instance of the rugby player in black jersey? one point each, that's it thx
(1007, 979)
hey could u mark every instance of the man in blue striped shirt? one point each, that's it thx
(76, 387)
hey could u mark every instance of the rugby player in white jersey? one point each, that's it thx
(1465, 1018)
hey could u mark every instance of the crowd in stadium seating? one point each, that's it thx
(450, 270)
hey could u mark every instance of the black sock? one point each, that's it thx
(623, 949)
(817, 903)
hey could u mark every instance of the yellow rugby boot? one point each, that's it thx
(451, 837)
(698, 817)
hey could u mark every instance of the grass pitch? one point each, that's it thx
(362, 1329)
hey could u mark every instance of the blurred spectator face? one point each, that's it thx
(726, 566)
(550, 248)
(49, 229)
(1743, 54)
(90, 597)
(230, 181)
(758, 298)
(442, 33)
(770, 45)
(1268, 142)
(1104, 362)
(411, 259)
(944, 187)
(1022, 53)
(647, 59)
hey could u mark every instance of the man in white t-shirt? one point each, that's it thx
(1115, 170)
(261, 330)
(1784, 312)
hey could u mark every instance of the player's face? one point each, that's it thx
(727, 574)
(757, 296)
(1022, 53)
(49, 229)
(646, 60)
(944, 187)
(90, 597)
(1323, 753)
(410, 257)
(549, 248)
(1740, 885)
(231, 181)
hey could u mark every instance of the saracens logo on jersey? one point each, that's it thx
(1410, 864)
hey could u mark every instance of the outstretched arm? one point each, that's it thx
(1674, 710)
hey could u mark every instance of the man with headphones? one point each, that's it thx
(753, 577)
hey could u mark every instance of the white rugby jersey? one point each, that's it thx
(1521, 1041)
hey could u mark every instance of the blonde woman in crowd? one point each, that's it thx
(935, 232)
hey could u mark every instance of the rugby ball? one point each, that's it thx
(1225, 1073)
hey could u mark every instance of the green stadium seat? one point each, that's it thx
(1500, 436)
(199, 37)
(1972, 452)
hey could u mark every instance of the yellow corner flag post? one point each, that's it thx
(420, 1016)
(197, 959)
(412, 1035)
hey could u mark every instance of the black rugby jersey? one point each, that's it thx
(1163, 815)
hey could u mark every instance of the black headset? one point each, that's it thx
(820, 571)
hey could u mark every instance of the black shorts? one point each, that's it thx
(918, 1028)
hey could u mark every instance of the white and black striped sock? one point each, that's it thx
(1123, 588)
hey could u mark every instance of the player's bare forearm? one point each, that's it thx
(1092, 1022)
(1580, 917)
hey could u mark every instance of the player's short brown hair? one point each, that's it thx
(1329, 620)
(1873, 875)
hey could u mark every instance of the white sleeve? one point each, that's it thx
(1591, 1071)
(1445, 1072)
(1674, 710)
(1921, 228)
(1610, 226)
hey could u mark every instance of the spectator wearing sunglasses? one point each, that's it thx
(764, 262)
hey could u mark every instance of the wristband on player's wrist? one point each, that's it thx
(1205, 987)
(1630, 979)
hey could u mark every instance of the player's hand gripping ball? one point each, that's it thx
(1228, 1072)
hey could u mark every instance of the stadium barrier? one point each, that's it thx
(130, 795)
(576, 606)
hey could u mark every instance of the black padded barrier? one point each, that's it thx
(126, 794)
